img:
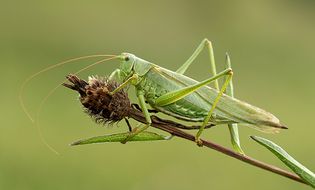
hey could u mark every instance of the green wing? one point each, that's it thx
(230, 108)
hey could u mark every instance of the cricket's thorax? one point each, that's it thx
(191, 108)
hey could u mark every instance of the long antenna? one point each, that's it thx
(27, 80)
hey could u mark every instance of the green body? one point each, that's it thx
(154, 81)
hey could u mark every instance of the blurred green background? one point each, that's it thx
(271, 44)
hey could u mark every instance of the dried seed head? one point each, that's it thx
(98, 102)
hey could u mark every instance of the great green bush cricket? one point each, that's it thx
(184, 98)
(179, 96)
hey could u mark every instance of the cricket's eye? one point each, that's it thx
(127, 58)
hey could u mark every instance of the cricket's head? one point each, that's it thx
(131, 64)
(127, 63)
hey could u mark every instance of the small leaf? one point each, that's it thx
(143, 136)
(296, 167)
(235, 139)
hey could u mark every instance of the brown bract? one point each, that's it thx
(97, 100)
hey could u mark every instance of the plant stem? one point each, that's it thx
(168, 126)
